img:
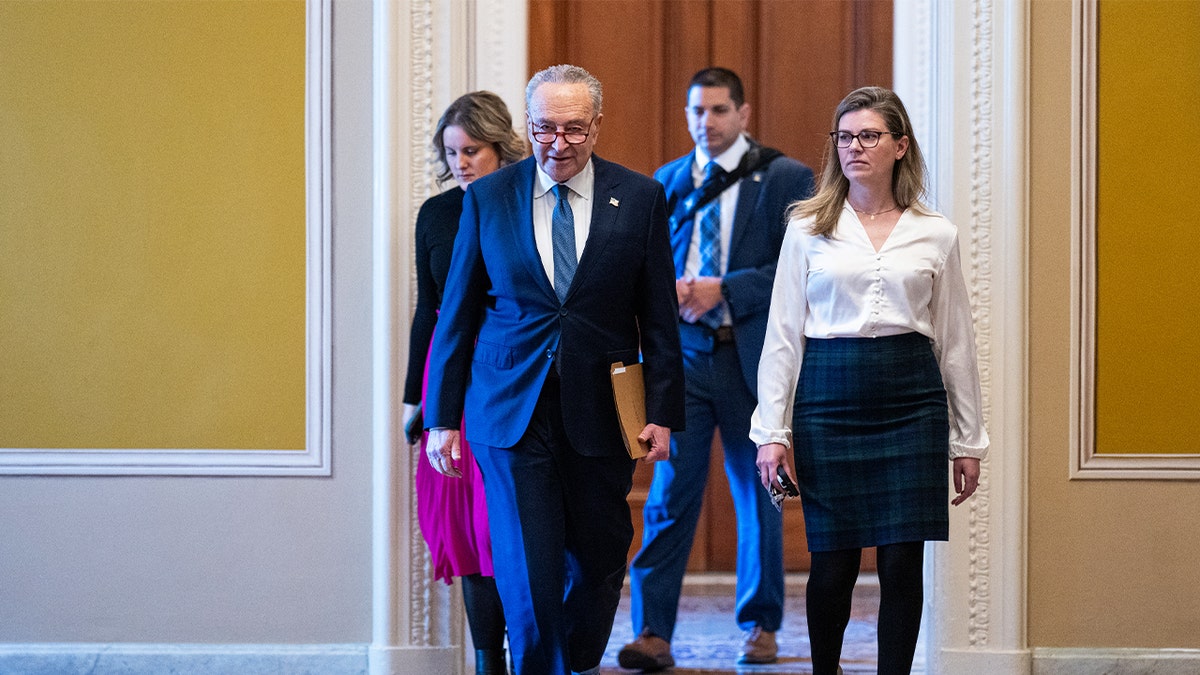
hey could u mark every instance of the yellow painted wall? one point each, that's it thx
(1112, 563)
(152, 224)
(1148, 226)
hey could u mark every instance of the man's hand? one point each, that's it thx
(683, 290)
(443, 449)
(697, 295)
(966, 478)
(659, 439)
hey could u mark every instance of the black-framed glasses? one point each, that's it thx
(868, 138)
(573, 136)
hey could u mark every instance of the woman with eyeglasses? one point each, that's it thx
(473, 138)
(869, 375)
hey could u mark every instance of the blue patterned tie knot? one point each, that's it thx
(712, 170)
(563, 237)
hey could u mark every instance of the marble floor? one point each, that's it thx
(707, 641)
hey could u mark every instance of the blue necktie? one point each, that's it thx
(710, 244)
(563, 233)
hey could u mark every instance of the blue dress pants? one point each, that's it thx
(561, 529)
(717, 396)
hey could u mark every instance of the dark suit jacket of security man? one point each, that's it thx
(758, 227)
(716, 398)
(504, 340)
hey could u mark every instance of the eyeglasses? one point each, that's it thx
(545, 135)
(868, 138)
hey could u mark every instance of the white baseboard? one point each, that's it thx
(980, 662)
(1048, 661)
(408, 660)
(194, 659)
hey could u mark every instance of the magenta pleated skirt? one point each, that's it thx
(452, 514)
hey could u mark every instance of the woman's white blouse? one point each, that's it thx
(841, 287)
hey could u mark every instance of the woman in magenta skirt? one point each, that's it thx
(473, 138)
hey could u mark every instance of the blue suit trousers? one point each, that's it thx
(561, 528)
(717, 396)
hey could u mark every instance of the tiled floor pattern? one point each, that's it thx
(707, 640)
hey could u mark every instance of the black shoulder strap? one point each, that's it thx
(755, 158)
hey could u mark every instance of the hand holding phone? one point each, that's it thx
(781, 488)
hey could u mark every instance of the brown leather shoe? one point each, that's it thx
(759, 647)
(648, 653)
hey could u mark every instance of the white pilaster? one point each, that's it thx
(961, 67)
(426, 53)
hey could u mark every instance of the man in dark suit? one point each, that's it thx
(562, 266)
(728, 200)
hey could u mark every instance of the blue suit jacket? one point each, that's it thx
(758, 227)
(501, 323)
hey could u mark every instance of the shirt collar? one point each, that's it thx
(581, 183)
(727, 160)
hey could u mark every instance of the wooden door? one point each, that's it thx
(796, 58)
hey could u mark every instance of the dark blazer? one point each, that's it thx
(758, 227)
(502, 325)
(437, 224)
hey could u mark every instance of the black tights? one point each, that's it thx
(901, 595)
(485, 616)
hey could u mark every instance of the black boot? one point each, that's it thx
(490, 662)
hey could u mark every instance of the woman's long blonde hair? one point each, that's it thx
(908, 176)
(484, 117)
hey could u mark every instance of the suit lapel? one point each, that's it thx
(748, 191)
(605, 208)
(679, 186)
(520, 215)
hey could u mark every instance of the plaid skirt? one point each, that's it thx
(871, 441)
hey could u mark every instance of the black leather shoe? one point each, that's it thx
(490, 662)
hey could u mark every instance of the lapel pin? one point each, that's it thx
(613, 201)
(758, 178)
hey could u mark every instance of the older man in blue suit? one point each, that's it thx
(562, 266)
(728, 200)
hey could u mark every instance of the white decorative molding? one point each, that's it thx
(1086, 463)
(501, 61)
(314, 458)
(979, 279)
(961, 70)
(404, 599)
(426, 54)
(913, 68)
(1060, 661)
(196, 659)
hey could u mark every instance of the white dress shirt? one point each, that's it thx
(728, 160)
(841, 287)
(582, 186)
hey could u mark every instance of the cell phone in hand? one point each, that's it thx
(789, 488)
(784, 490)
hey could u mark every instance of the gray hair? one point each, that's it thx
(566, 74)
